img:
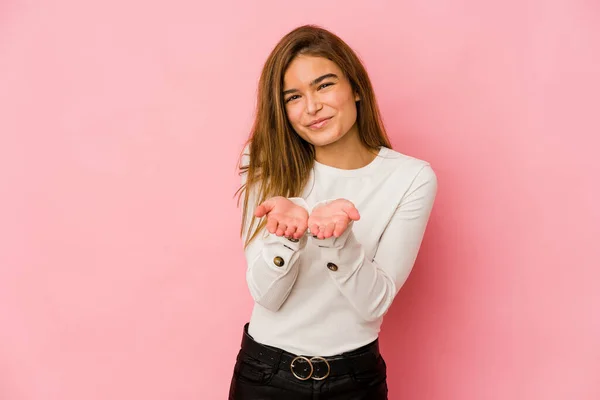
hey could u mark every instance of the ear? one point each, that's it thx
(356, 97)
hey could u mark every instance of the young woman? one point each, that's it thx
(333, 219)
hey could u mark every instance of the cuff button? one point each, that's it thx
(278, 261)
(332, 267)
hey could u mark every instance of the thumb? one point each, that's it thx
(264, 208)
(352, 213)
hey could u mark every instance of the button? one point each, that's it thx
(332, 267)
(293, 240)
(279, 261)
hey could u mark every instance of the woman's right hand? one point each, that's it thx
(284, 218)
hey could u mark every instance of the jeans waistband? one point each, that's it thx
(305, 367)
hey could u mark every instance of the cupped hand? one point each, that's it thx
(284, 218)
(332, 219)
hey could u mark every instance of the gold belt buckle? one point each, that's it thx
(328, 368)
(293, 364)
(302, 359)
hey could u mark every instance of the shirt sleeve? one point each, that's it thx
(371, 285)
(272, 261)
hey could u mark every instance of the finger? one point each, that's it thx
(260, 211)
(352, 213)
(340, 227)
(289, 232)
(272, 225)
(321, 234)
(301, 230)
(264, 208)
(281, 228)
(329, 230)
(314, 229)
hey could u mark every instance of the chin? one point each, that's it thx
(323, 138)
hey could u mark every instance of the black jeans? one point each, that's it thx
(262, 373)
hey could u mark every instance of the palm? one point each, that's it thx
(284, 218)
(332, 219)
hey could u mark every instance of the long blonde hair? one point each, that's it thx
(280, 160)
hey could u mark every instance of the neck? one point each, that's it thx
(346, 153)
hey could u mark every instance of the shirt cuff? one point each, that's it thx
(278, 251)
(343, 260)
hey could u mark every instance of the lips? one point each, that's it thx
(319, 123)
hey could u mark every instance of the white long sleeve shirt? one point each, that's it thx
(330, 295)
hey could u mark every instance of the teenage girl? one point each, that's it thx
(333, 219)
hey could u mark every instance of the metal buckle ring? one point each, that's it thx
(328, 368)
(294, 372)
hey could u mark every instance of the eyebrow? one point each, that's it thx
(313, 83)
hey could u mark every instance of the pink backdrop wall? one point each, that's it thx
(121, 272)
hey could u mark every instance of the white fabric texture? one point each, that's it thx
(305, 307)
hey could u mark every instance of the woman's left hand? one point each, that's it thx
(332, 219)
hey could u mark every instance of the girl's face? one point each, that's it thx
(319, 100)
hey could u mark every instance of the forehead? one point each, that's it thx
(303, 69)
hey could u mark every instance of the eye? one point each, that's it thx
(294, 97)
(326, 84)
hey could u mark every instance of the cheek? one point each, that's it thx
(342, 101)
(294, 114)
(347, 107)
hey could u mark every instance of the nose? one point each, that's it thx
(313, 104)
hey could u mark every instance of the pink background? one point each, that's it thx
(121, 271)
